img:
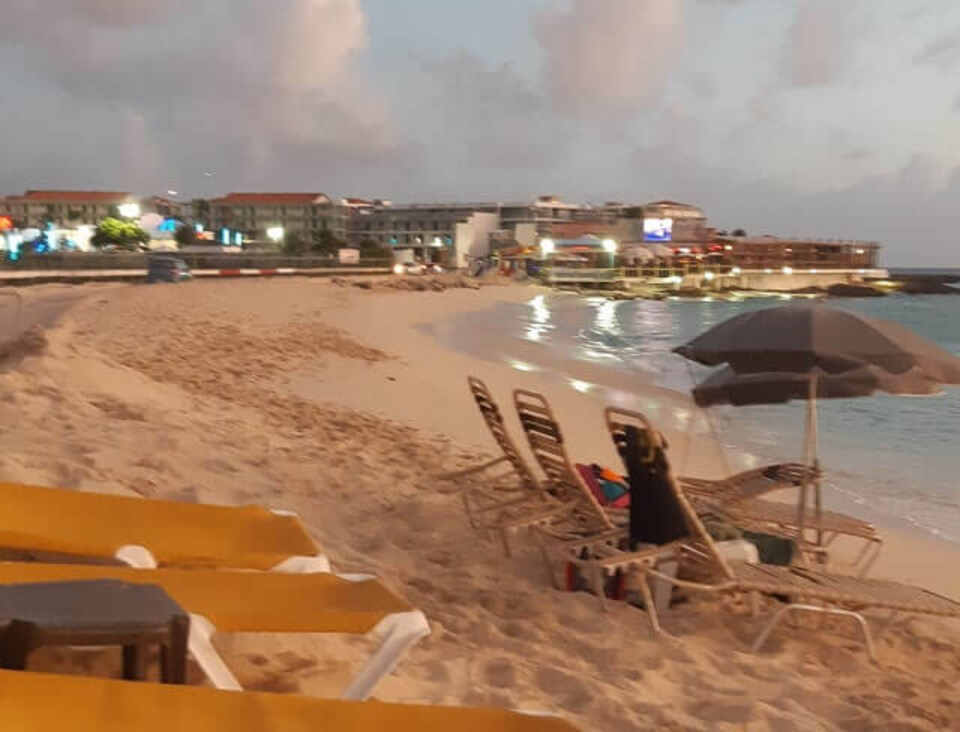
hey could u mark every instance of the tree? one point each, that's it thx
(295, 243)
(324, 242)
(121, 234)
(370, 249)
(185, 235)
(738, 232)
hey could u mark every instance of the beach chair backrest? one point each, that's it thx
(546, 442)
(618, 420)
(494, 420)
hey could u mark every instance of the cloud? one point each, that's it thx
(611, 57)
(493, 117)
(243, 88)
(819, 43)
(943, 52)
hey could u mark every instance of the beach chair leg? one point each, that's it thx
(399, 632)
(600, 586)
(789, 610)
(545, 556)
(650, 605)
(871, 553)
(207, 657)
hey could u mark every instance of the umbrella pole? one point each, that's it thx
(814, 457)
(802, 503)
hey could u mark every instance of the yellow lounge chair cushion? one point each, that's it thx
(33, 702)
(184, 534)
(237, 601)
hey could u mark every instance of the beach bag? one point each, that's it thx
(608, 487)
(656, 516)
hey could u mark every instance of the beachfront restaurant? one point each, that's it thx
(587, 259)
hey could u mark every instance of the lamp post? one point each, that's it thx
(275, 234)
(129, 210)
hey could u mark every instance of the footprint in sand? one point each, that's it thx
(500, 673)
(570, 691)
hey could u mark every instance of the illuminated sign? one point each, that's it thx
(657, 229)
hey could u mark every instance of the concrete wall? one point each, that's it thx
(526, 234)
(779, 282)
(472, 237)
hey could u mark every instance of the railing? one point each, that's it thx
(676, 272)
(133, 260)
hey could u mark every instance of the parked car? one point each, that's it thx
(409, 268)
(167, 269)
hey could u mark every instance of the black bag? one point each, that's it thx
(656, 516)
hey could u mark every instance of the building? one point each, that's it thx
(166, 207)
(253, 214)
(456, 231)
(800, 255)
(64, 208)
(670, 221)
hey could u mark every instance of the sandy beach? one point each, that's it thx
(340, 403)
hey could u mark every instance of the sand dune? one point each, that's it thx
(333, 402)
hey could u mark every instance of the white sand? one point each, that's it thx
(246, 391)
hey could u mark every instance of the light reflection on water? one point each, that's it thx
(897, 454)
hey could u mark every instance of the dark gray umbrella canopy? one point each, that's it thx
(802, 337)
(725, 386)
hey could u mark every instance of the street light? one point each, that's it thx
(130, 210)
(275, 234)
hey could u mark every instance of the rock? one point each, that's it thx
(927, 287)
(851, 290)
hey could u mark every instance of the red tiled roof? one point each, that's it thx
(277, 199)
(42, 196)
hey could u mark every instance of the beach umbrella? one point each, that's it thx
(798, 338)
(810, 351)
(726, 386)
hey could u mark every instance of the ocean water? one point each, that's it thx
(894, 456)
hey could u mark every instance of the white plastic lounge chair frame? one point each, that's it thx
(398, 631)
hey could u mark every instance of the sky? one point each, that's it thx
(826, 118)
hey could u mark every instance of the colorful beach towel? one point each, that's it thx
(609, 488)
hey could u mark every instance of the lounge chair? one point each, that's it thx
(738, 499)
(838, 595)
(38, 702)
(585, 515)
(146, 532)
(490, 505)
(266, 602)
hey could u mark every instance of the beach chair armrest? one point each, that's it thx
(470, 471)
(300, 564)
(399, 632)
(206, 656)
(136, 555)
